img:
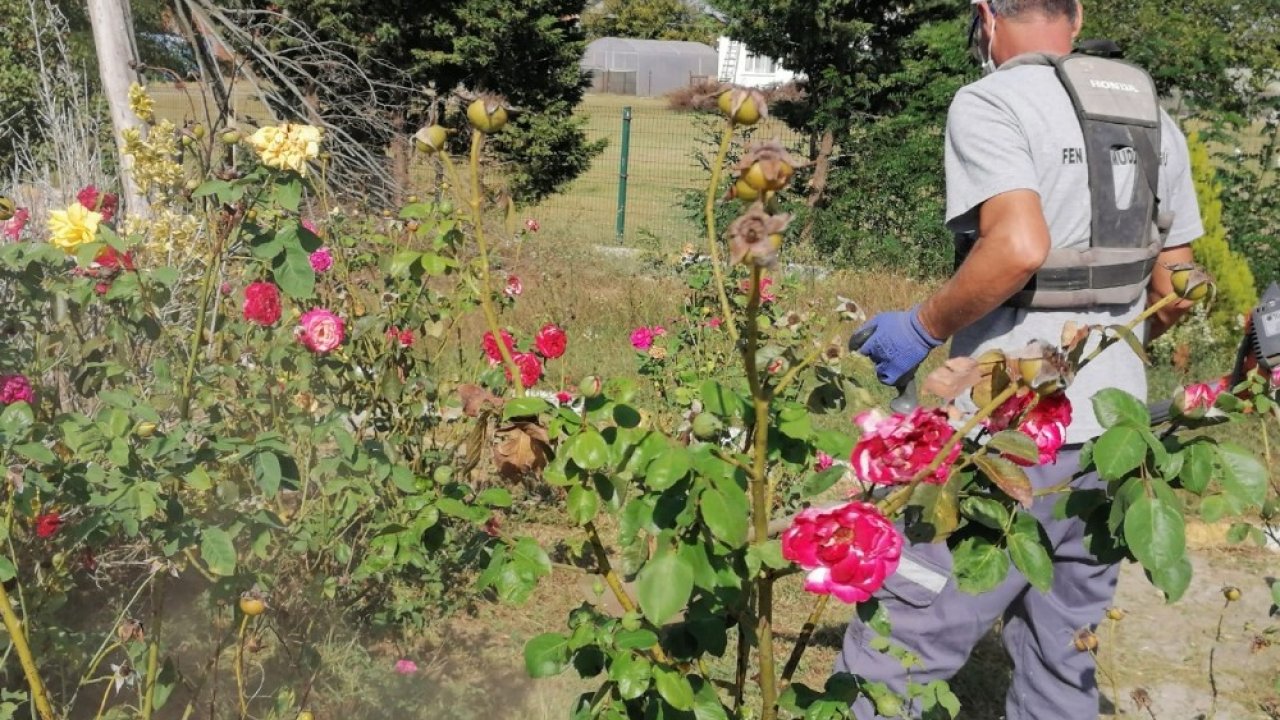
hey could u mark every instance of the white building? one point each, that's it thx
(739, 66)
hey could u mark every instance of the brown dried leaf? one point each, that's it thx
(1008, 477)
(521, 448)
(476, 399)
(953, 378)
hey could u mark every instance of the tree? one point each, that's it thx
(17, 74)
(412, 55)
(1237, 292)
(650, 20)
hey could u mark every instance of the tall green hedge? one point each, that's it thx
(1237, 291)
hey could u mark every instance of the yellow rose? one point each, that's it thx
(287, 146)
(73, 227)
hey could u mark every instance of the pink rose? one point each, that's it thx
(12, 228)
(1199, 398)
(642, 338)
(550, 342)
(1275, 376)
(490, 346)
(1047, 425)
(848, 550)
(765, 284)
(564, 397)
(321, 259)
(532, 225)
(14, 389)
(715, 323)
(530, 368)
(262, 303)
(514, 287)
(320, 330)
(893, 449)
(824, 461)
(406, 667)
(403, 338)
(1009, 412)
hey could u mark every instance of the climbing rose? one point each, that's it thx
(320, 330)
(893, 449)
(12, 228)
(848, 550)
(514, 287)
(1047, 425)
(321, 259)
(1199, 398)
(491, 346)
(550, 341)
(14, 389)
(530, 368)
(262, 303)
(824, 461)
(105, 204)
(48, 524)
(406, 667)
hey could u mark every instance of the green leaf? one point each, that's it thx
(494, 497)
(1275, 592)
(793, 421)
(1015, 443)
(1173, 579)
(1113, 407)
(7, 569)
(36, 453)
(1119, 451)
(979, 566)
(706, 703)
(726, 510)
(1007, 476)
(1214, 507)
(546, 655)
(820, 482)
(589, 450)
(16, 419)
(1197, 467)
(718, 400)
(1155, 533)
(663, 587)
(631, 673)
(985, 511)
(640, 639)
(668, 468)
(288, 194)
(294, 274)
(266, 468)
(217, 550)
(1243, 476)
(1027, 548)
(525, 407)
(834, 443)
(1132, 341)
(583, 504)
(674, 687)
(402, 262)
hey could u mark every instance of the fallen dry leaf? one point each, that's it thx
(521, 448)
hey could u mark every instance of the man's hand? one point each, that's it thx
(897, 345)
(1161, 285)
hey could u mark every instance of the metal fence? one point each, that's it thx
(647, 185)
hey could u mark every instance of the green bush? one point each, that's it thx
(1237, 291)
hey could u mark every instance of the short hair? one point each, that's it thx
(1048, 8)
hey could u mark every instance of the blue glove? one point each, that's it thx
(897, 343)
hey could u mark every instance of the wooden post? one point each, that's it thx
(113, 41)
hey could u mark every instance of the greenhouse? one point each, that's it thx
(647, 67)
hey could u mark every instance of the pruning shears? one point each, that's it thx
(907, 399)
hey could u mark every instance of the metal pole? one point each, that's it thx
(622, 173)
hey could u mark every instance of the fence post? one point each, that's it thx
(622, 173)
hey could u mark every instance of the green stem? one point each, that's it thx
(197, 335)
(761, 504)
(239, 667)
(153, 651)
(1146, 314)
(486, 303)
(614, 582)
(1213, 680)
(713, 242)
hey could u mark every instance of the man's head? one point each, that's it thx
(1004, 29)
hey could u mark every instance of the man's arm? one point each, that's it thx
(1161, 285)
(1013, 242)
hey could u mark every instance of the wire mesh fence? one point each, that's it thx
(665, 172)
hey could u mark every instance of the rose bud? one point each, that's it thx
(1190, 281)
(487, 114)
(743, 106)
(430, 139)
(1231, 593)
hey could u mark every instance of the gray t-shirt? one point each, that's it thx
(1017, 129)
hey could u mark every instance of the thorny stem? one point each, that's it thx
(614, 582)
(802, 642)
(197, 334)
(1107, 342)
(713, 242)
(239, 667)
(761, 503)
(18, 637)
(486, 304)
(153, 650)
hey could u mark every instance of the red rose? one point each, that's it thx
(893, 449)
(105, 204)
(262, 303)
(550, 341)
(491, 346)
(48, 524)
(530, 368)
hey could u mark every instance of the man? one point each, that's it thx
(1019, 201)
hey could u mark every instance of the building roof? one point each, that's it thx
(653, 47)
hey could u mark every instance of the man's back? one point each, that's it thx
(1017, 129)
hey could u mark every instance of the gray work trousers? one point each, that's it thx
(932, 619)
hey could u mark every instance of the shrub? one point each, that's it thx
(1237, 292)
